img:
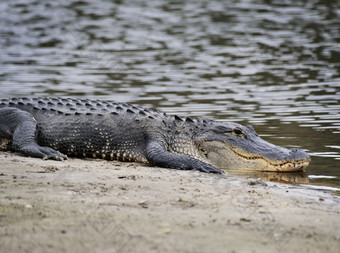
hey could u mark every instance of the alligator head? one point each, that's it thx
(233, 146)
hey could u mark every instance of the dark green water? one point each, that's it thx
(272, 64)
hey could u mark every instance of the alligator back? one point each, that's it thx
(90, 128)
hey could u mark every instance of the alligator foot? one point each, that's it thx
(42, 152)
(207, 168)
(20, 127)
(158, 155)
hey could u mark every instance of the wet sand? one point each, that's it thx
(100, 206)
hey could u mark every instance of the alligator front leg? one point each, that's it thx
(157, 155)
(20, 127)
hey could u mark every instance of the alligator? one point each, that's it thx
(55, 128)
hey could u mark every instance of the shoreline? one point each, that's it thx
(107, 206)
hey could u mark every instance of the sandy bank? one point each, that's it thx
(100, 206)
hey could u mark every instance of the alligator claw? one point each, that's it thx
(207, 168)
(54, 155)
(43, 152)
(59, 157)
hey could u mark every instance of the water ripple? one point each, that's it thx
(272, 64)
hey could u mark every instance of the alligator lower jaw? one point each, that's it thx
(289, 166)
(277, 167)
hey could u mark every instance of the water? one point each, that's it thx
(272, 64)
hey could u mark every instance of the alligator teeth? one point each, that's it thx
(290, 166)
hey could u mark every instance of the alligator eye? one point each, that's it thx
(237, 131)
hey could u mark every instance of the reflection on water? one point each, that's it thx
(272, 64)
(286, 177)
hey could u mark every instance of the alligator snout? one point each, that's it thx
(298, 155)
(297, 160)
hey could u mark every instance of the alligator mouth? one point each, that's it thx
(284, 166)
(291, 166)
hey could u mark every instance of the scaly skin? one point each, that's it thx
(54, 128)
